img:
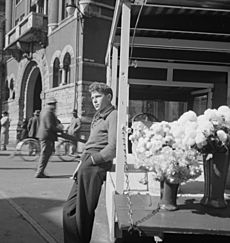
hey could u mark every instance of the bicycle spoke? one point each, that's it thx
(29, 150)
(66, 151)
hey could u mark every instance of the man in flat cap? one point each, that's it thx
(47, 134)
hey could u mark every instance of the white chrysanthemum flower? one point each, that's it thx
(214, 116)
(177, 130)
(205, 126)
(187, 116)
(224, 109)
(222, 136)
(201, 140)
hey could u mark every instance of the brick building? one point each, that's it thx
(53, 48)
(2, 18)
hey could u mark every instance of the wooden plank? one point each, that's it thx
(190, 218)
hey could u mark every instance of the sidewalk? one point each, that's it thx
(31, 208)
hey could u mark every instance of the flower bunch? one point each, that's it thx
(212, 132)
(163, 149)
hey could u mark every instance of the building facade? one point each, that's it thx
(53, 49)
(166, 57)
(2, 31)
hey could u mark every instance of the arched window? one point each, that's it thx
(66, 67)
(64, 13)
(12, 91)
(7, 91)
(56, 73)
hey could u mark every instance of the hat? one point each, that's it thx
(74, 111)
(51, 101)
(36, 112)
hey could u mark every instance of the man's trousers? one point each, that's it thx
(79, 209)
(47, 148)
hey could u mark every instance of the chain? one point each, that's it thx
(133, 225)
(124, 132)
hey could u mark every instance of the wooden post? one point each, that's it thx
(123, 94)
(114, 74)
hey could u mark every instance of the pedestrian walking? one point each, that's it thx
(96, 160)
(33, 124)
(24, 130)
(5, 124)
(47, 135)
(74, 129)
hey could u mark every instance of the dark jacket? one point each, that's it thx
(74, 127)
(47, 129)
(24, 131)
(102, 140)
(32, 126)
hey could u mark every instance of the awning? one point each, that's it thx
(159, 27)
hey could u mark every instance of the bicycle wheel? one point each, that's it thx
(29, 149)
(66, 151)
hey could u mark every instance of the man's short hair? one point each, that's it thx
(51, 101)
(5, 113)
(101, 88)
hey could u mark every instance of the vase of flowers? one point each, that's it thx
(162, 149)
(213, 142)
(168, 195)
(215, 175)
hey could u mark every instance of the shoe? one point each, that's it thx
(41, 176)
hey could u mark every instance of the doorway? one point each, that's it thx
(37, 93)
(33, 92)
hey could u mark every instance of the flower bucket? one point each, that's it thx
(228, 179)
(215, 176)
(168, 194)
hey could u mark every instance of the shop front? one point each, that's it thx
(165, 58)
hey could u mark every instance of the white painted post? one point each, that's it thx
(123, 93)
(108, 70)
(114, 74)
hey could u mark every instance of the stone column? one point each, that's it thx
(52, 15)
(63, 74)
(8, 12)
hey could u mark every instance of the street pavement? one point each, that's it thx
(31, 208)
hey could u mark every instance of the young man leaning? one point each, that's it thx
(96, 160)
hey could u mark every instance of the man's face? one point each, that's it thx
(53, 107)
(100, 100)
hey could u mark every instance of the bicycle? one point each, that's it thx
(29, 149)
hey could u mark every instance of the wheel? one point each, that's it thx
(29, 149)
(66, 151)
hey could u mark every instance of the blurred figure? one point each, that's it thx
(5, 124)
(24, 131)
(74, 129)
(33, 125)
(47, 134)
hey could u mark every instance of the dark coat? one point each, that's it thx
(24, 131)
(74, 127)
(32, 126)
(47, 129)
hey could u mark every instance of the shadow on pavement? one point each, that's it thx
(18, 213)
(61, 176)
(30, 220)
(15, 168)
